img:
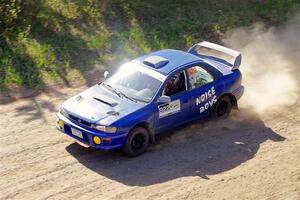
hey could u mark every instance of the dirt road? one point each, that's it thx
(244, 157)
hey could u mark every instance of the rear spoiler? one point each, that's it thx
(237, 57)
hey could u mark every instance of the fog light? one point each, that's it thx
(61, 124)
(96, 140)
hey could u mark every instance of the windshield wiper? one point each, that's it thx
(112, 89)
(107, 85)
(119, 93)
(130, 98)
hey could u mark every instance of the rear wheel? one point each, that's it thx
(222, 108)
(137, 142)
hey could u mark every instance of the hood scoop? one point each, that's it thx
(105, 102)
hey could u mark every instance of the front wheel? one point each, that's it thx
(137, 142)
(222, 108)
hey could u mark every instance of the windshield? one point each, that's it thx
(135, 82)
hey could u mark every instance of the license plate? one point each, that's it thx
(77, 133)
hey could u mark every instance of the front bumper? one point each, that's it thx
(118, 139)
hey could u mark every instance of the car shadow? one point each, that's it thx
(201, 148)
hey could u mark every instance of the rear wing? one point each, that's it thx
(235, 62)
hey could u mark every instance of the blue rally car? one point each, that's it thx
(151, 94)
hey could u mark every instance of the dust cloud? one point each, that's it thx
(270, 64)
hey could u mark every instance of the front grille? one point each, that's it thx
(72, 117)
(80, 121)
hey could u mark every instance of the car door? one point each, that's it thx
(173, 113)
(205, 88)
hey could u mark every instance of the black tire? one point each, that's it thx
(137, 142)
(222, 108)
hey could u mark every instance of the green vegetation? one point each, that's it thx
(54, 40)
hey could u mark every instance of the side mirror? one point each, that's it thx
(164, 99)
(105, 74)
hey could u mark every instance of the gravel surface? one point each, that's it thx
(247, 156)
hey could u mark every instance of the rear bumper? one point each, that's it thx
(238, 93)
(117, 139)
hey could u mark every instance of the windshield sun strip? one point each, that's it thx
(148, 71)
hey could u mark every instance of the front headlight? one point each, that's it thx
(63, 112)
(107, 129)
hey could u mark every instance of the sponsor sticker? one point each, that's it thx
(169, 108)
(206, 100)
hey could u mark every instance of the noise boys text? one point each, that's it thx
(202, 99)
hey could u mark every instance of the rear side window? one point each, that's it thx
(199, 76)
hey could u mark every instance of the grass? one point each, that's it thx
(50, 41)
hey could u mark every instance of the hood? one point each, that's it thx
(100, 105)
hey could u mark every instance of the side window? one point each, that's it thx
(175, 84)
(199, 76)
